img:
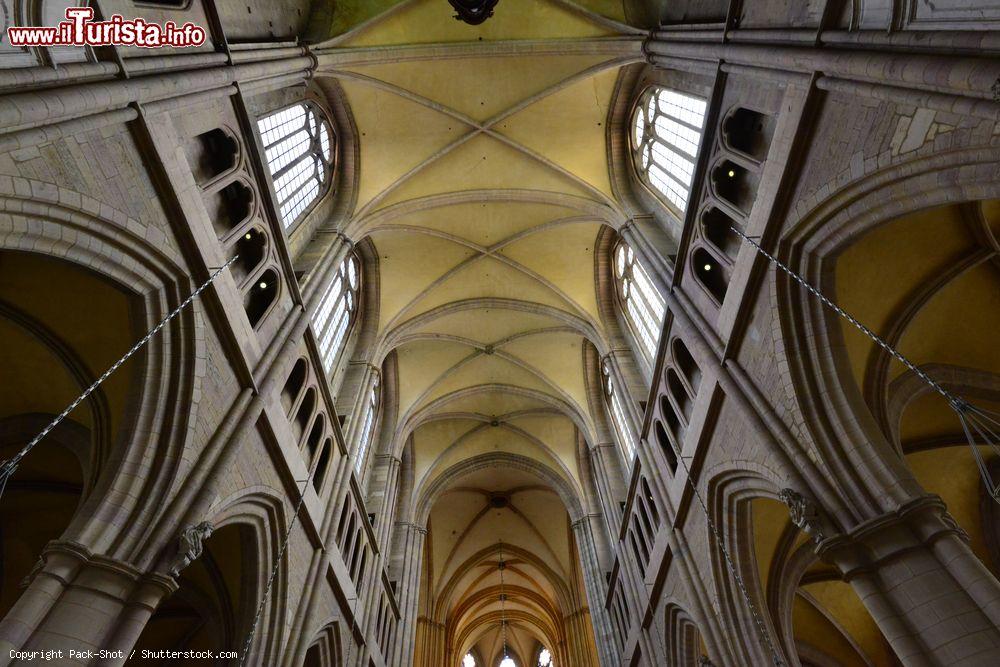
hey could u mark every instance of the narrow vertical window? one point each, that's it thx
(639, 300)
(620, 421)
(545, 658)
(468, 660)
(667, 130)
(336, 312)
(367, 426)
(298, 147)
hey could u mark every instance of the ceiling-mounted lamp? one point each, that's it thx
(473, 12)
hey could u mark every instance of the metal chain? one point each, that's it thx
(274, 571)
(955, 401)
(503, 603)
(765, 635)
(8, 467)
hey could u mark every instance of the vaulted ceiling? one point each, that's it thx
(483, 185)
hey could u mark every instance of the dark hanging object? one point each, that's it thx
(473, 12)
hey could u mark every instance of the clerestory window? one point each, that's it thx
(299, 149)
(666, 133)
(337, 311)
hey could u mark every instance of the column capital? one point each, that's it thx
(913, 525)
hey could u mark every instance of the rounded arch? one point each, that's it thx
(132, 257)
(812, 247)
(261, 512)
(427, 495)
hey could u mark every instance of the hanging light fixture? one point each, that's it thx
(981, 426)
(507, 660)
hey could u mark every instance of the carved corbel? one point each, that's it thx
(190, 543)
(804, 513)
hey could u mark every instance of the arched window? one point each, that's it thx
(336, 312)
(623, 429)
(508, 662)
(468, 661)
(667, 131)
(640, 301)
(298, 147)
(368, 425)
(545, 658)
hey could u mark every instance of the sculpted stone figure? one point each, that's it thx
(803, 513)
(189, 546)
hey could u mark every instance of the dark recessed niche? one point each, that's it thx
(211, 154)
(293, 385)
(664, 441)
(717, 226)
(229, 207)
(681, 397)
(251, 248)
(687, 365)
(736, 184)
(260, 296)
(321, 466)
(314, 437)
(301, 420)
(749, 132)
(710, 274)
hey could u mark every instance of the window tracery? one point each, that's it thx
(337, 311)
(298, 146)
(666, 132)
(619, 419)
(368, 425)
(641, 303)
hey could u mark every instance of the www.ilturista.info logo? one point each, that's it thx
(79, 29)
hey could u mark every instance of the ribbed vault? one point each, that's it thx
(483, 185)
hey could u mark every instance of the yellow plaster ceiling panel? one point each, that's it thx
(959, 324)
(483, 163)
(487, 369)
(395, 135)
(569, 127)
(541, 511)
(485, 223)
(430, 440)
(488, 325)
(813, 627)
(558, 433)
(489, 277)
(494, 404)
(430, 21)
(922, 246)
(564, 255)
(421, 362)
(559, 356)
(409, 263)
(480, 87)
(489, 441)
(507, 526)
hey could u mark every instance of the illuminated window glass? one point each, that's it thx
(639, 300)
(468, 661)
(368, 425)
(298, 147)
(666, 133)
(337, 310)
(545, 658)
(623, 429)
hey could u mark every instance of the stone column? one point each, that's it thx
(933, 599)
(411, 543)
(593, 580)
(83, 602)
